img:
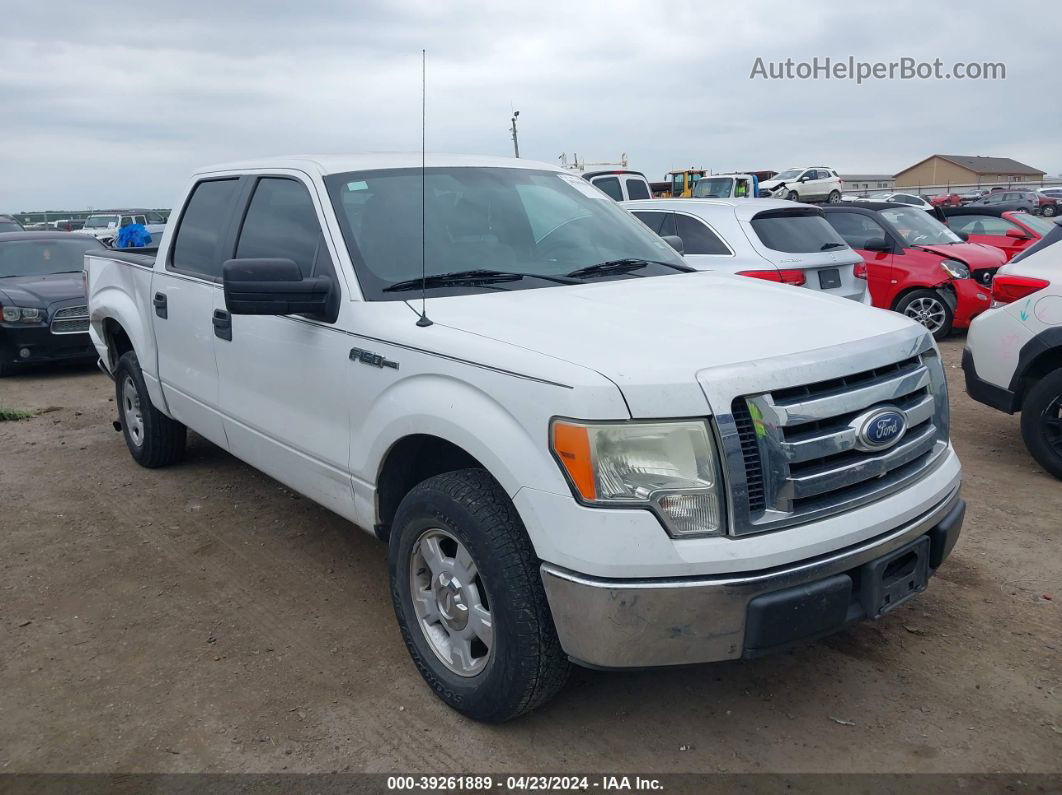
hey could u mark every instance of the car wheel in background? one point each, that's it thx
(1048, 210)
(930, 309)
(1041, 422)
(154, 440)
(793, 196)
(834, 197)
(469, 598)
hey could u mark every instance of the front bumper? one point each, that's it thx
(644, 623)
(971, 299)
(25, 344)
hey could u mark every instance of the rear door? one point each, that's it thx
(183, 298)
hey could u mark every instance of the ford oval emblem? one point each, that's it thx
(882, 428)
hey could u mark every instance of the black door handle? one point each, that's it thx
(161, 308)
(222, 324)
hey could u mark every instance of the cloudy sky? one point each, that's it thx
(107, 103)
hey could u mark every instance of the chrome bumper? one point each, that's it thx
(645, 623)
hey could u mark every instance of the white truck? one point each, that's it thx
(576, 449)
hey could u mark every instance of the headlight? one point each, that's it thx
(955, 269)
(668, 467)
(13, 314)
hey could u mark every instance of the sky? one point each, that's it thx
(114, 104)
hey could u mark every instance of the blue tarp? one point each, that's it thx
(133, 236)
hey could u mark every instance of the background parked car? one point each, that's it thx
(1011, 231)
(43, 309)
(763, 238)
(104, 224)
(916, 265)
(1010, 199)
(9, 224)
(945, 200)
(890, 196)
(813, 183)
(620, 184)
(972, 195)
(1051, 193)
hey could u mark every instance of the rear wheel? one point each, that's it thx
(834, 197)
(1041, 422)
(154, 440)
(1049, 210)
(469, 598)
(930, 309)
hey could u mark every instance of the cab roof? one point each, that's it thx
(340, 163)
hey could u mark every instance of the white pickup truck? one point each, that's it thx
(576, 449)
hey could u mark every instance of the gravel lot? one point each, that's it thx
(204, 618)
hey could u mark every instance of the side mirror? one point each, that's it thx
(276, 287)
(676, 243)
(877, 244)
(1016, 233)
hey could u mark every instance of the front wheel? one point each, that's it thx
(1049, 210)
(469, 599)
(930, 309)
(154, 440)
(1041, 422)
(793, 196)
(834, 197)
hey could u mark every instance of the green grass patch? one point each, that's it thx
(13, 415)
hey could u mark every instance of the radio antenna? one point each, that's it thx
(423, 320)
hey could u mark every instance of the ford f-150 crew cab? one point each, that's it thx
(575, 448)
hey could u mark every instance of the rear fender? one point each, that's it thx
(112, 303)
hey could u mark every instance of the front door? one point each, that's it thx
(858, 230)
(285, 378)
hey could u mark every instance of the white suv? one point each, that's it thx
(1013, 356)
(811, 184)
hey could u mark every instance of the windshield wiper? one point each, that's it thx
(471, 277)
(828, 246)
(621, 266)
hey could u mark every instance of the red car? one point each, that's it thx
(1011, 231)
(945, 200)
(916, 265)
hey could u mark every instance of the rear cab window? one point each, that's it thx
(796, 231)
(611, 186)
(637, 189)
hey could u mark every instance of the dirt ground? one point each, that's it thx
(204, 618)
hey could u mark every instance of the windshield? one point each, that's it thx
(40, 257)
(502, 219)
(791, 173)
(714, 188)
(918, 228)
(101, 221)
(1039, 225)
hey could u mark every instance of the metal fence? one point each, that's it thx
(961, 188)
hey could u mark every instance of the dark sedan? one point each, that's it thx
(43, 311)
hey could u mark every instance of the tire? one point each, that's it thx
(834, 197)
(793, 196)
(1048, 211)
(523, 666)
(930, 309)
(1041, 422)
(154, 440)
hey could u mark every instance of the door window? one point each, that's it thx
(637, 189)
(611, 186)
(281, 221)
(856, 229)
(980, 224)
(697, 238)
(654, 220)
(196, 248)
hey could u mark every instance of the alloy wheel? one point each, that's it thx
(451, 602)
(131, 413)
(1051, 421)
(929, 312)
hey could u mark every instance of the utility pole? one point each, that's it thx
(516, 142)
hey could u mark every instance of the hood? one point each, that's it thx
(651, 336)
(976, 256)
(41, 291)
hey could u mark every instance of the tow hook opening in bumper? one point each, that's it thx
(651, 623)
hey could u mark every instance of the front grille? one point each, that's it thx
(800, 447)
(72, 320)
